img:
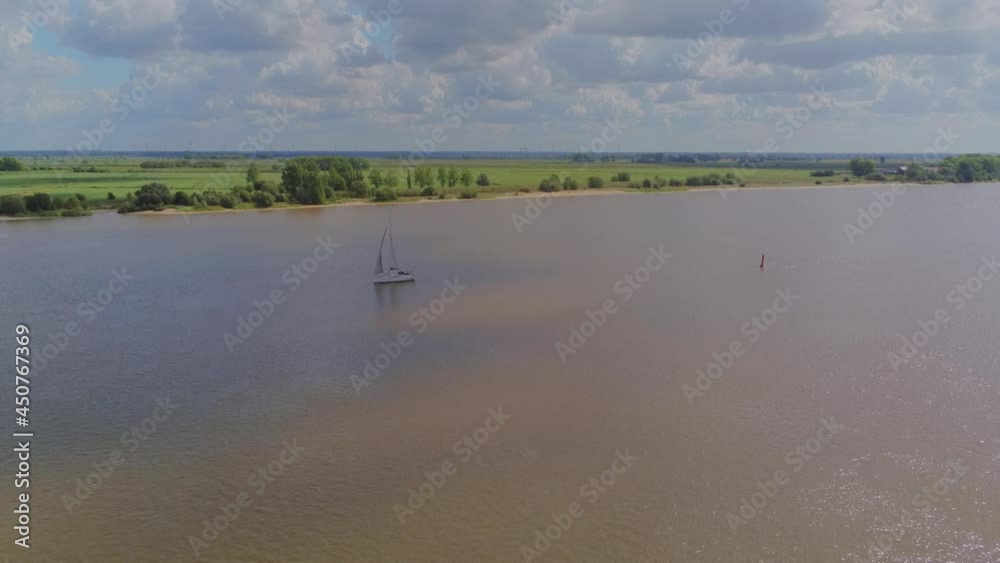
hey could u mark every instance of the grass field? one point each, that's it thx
(510, 175)
(124, 175)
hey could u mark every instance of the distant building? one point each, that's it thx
(901, 170)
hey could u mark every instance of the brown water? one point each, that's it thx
(494, 347)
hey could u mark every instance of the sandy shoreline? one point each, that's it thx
(535, 195)
(512, 195)
(506, 196)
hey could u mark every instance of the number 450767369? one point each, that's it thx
(22, 365)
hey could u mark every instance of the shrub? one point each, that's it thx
(595, 182)
(675, 183)
(75, 212)
(647, 183)
(358, 189)
(524, 190)
(482, 180)
(428, 192)
(570, 184)
(226, 200)
(819, 182)
(621, 177)
(12, 205)
(111, 196)
(211, 197)
(262, 200)
(861, 167)
(822, 173)
(385, 194)
(152, 197)
(659, 182)
(635, 185)
(693, 181)
(39, 202)
(877, 177)
(10, 164)
(467, 194)
(182, 198)
(549, 185)
(266, 186)
(243, 195)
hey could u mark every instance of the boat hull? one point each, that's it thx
(398, 278)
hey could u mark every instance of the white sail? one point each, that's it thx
(393, 263)
(379, 266)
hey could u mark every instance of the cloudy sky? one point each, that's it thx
(677, 75)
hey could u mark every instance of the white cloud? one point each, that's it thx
(610, 57)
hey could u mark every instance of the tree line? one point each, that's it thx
(306, 181)
(43, 204)
(962, 169)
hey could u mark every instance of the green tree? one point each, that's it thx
(465, 177)
(359, 189)
(291, 177)
(152, 197)
(182, 198)
(312, 191)
(595, 182)
(12, 205)
(336, 181)
(385, 194)
(442, 177)
(376, 178)
(391, 179)
(966, 172)
(409, 180)
(861, 167)
(253, 174)
(551, 184)
(423, 177)
(262, 200)
(452, 177)
(10, 164)
(916, 173)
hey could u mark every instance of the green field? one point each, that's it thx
(511, 175)
(124, 175)
(120, 178)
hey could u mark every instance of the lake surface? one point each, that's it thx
(824, 356)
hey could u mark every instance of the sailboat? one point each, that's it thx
(387, 268)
